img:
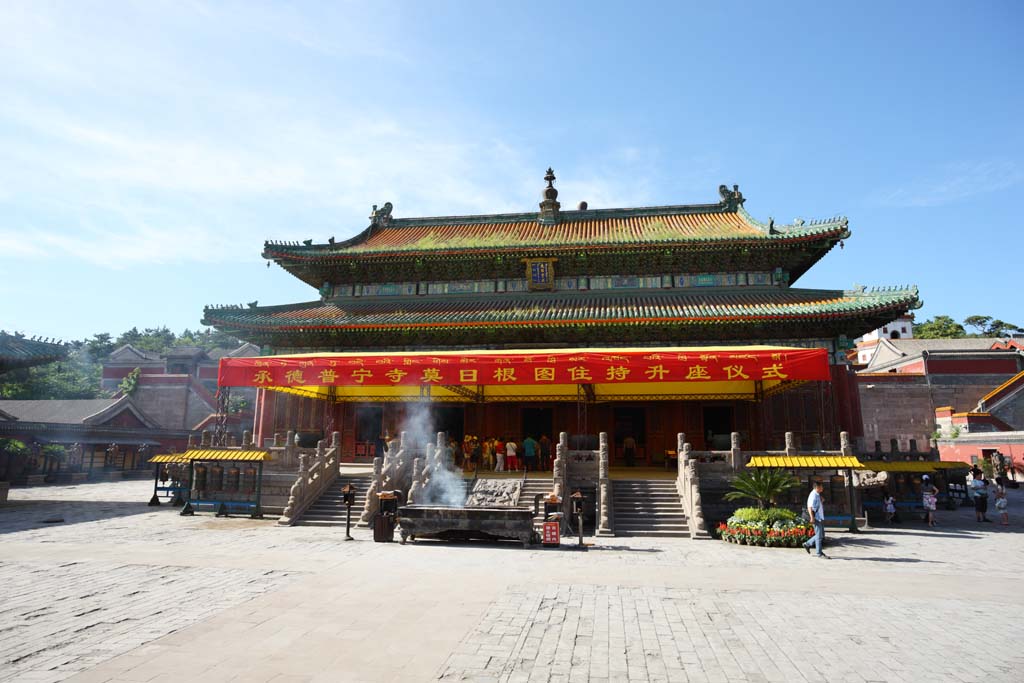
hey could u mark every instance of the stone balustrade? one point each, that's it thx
(316, 472)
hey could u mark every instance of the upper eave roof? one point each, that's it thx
(560, 309)
(724, 224)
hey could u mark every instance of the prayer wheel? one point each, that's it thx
(233, 475)
(200, 478)
(216, 478)
(249, 485)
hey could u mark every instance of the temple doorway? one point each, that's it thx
(718, 427)
(630, 423)
(369, 431)
(451, 420)
(536, 422)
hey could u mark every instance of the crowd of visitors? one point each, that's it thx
(502, 453)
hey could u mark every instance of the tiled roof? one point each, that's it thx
(913, 347)
(640, 227)
(70, 411)
(17, 351)
(717, 306)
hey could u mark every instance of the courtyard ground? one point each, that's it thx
(96, 586)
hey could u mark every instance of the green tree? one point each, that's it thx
(978, 322)
(130, 382)
(987, 326)
(77, 376)
(763, 485)
(940, 327)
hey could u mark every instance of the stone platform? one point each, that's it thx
(120, 592)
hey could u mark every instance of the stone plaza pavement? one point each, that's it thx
(118, 591)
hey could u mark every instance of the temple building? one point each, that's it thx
(705, 286)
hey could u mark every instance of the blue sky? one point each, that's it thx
(148, 149)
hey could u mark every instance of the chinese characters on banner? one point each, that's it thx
(563, 367)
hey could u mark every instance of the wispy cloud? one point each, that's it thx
(952, 183)
(119, 151)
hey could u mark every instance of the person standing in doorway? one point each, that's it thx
(530, 446)
(816, 513)
(499, 454)
(629, 450)
(545, 452)
(511, 455)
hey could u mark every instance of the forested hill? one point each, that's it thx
(78, 376)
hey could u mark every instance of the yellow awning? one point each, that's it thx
(225, 454)
(899, 466)
(820, 462)
(950, 465)
(168, 457)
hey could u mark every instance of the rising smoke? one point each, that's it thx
(444, 483)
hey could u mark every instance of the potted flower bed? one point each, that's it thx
(771, 527)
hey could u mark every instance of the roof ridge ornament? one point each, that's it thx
(731, 199)
(549, 206)
(382, 216)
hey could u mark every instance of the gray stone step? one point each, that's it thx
(648, 508)
(329, 509)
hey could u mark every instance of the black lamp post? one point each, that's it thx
(348, 493)
(577, 509)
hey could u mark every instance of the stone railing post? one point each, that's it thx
(205, 439)
(278, 439)
(417, 480)
(290, 449)
(336, 445)
(894, 446)
(680, 462)
(790, 444)
(604, 527)
(844, 443)
(296, 495)
(376, 486)
(698, 528)
(735, 455)
(246, 439)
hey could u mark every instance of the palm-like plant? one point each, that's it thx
(762, 485)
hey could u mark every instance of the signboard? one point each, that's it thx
(577, 366)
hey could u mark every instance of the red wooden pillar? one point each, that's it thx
(263, 422)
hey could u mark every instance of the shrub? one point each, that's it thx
(761, 485)
(772, 527)
(764, 516)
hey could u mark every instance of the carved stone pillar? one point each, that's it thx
(790, 443)
(698, 527)
(372, 504)
(604, 527)
(417, 481)
(844, 443)
(734, 451)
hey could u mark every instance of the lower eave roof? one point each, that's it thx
(547, 310)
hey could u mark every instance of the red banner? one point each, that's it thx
(514, 368)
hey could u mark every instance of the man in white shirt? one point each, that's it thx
(816, 513)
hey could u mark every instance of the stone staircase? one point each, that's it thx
(648, 508)
(530, 489)
(328, 510)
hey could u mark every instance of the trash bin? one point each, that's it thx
(384, 528)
